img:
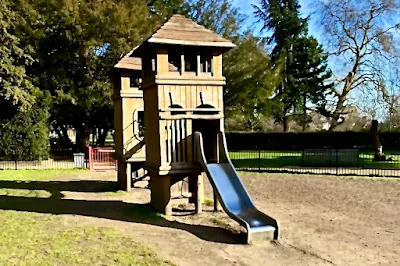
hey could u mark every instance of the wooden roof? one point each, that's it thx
(135, 63)
(180, 30)
(128, 62)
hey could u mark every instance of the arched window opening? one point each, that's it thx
(135, 79)
(205, 62)
(174, 60)
(205, 112)
(177, 112)
(138, 124)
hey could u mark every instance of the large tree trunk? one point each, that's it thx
(304, 113)
(63, 138)
(82, 136)
(285, 124)
(377, 146)
(101, 141)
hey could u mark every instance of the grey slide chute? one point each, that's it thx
(233, 195)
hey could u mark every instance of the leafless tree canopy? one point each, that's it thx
(362, 39)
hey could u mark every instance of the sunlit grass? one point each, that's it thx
(40, 239)
(37, 175)
(31, 238)
(276, 159)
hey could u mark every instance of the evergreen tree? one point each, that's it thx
(304, 71)
(248, 81)
(76, 44)
(311, 77)
(23, 108)
(16, 89)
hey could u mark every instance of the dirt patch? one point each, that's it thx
(323, 220)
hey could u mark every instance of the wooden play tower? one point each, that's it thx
(128, 119)
(180, 91)
(182, 85)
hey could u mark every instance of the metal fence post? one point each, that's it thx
(15, 159)
(337, 162)
(90, 157)
(259, 160)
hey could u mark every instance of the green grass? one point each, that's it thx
(117, 193)
(36, 175)
(277, 159)
(39, 239)
(209, 202)
(30, 238)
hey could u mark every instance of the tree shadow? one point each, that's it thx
(107, 209)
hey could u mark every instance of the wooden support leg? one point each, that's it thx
(217, 204)
(124, 176)
(197, 189)
(199, 194)
(161, 193)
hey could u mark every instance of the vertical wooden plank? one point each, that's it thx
(189, 148)
(164, 96)
(215, 96)
(188, 97)
(178, 140)
(182, 89)
(173, 141)
(170, 149)
(193, 96)
(206, 99)
(182, 64)
(162, 61)
(185, 158)
(198, 65)
(167, 141)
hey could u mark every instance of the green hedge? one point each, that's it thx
(25, 135)
(314, 140)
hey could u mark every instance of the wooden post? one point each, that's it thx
(198, 70)
(196, 187)
(161, 193)
(182, 64)
(217, 205)
(199, 194)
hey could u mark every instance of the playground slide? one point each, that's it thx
(233, 195)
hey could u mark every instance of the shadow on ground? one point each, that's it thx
(107, 209)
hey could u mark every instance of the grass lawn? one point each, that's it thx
(277, 159)
(29, 238)
(36, 175)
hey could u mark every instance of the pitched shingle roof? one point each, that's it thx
(128, 62)
(183, 31)
(135, 63)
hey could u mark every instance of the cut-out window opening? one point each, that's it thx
(208, 112)
(174, 60)
(205, 62)
(190, 61)
(135, 81)
(141, 123)
(138, 124)
(149, 65)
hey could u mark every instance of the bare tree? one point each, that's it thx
(361, 40)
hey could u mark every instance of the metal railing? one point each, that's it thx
(57, 159)
(321, 161)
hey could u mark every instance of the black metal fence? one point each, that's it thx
(317, 161)
(57, 159)
(308, 161)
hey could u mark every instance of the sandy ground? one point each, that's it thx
(323, 220)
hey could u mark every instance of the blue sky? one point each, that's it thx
(245, 7)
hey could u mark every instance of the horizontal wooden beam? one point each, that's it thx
(191, 116)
